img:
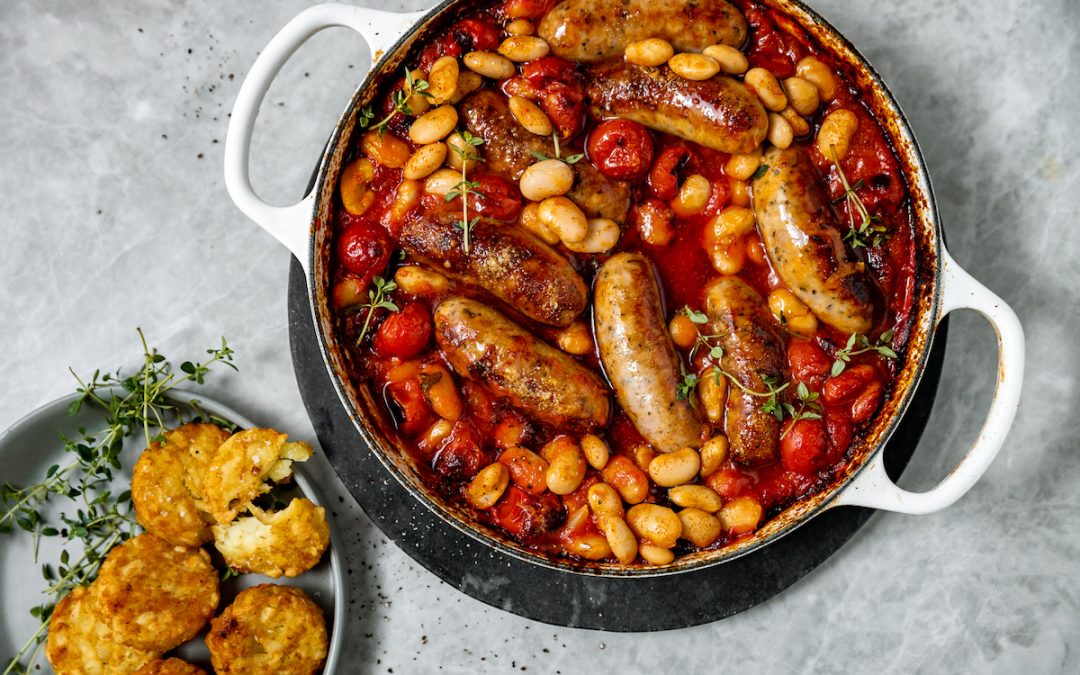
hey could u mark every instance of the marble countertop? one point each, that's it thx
(115, 215)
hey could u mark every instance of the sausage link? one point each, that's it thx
(508, 149)
(803, 241)
(547, 385)
(719, 113)
(753, 351)
(594, 30)
(637, 354)
(508, 262)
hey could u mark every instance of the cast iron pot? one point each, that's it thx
(305, 228)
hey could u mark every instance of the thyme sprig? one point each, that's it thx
(843, 356)
(569, 159)
(466, 187)
(809, 408)
(716, 352)
(378, 298)
(400, 99)
(869, 231)
(99, 519)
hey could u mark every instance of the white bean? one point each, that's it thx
(520, 27)
(490, 64)
(780, 132)
(650, 53)
(454, 158)
(595, 450)
(814, 71)
(564, 218)
(740, 515)
(713, 454)
(658, 524)
(694, 66)
(602, 236)
(522, 48)
(767, 88)
(675, 468)
(620, 538)
(467, 83)
(656, 555)
(604, 500)
(693, 196)
(441, 182)
(695, 497)
(530, 116)
(420, 281)
(731, 60)
(698, 527)
(546, 178)
(434, 125)
(530, 220)
(443, 79)
(837, 130)
(802, 95)
(487, 486)
(424, 161)
(742, 167)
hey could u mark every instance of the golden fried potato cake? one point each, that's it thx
(268, 629)
(155, 595)
(80, 644)
(170, 666)
(166, 485)
(289, 542)
(243, 464)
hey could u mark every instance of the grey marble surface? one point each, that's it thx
(114, 215)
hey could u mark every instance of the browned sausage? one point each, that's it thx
(804, 244)
(719, 113)
(508, 262)
(544, 383)
(593, 30)
(752, 351)
(508, 149)
(637, 353)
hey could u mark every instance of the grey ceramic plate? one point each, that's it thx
(27, 450)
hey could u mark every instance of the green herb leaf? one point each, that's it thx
(761, 170)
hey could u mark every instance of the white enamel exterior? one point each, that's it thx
(872, 488)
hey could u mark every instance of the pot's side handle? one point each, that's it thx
(290, 224)
(873, 488)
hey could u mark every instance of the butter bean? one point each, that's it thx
(488, 486)
(675, 468)
(658, 524)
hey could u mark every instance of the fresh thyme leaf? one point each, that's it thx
(574, 159)
(869, 231)
(761, 170)
(140, 401)
(685, 389)
(695, 316)
(538, 155)
(400, 99)
(378, 298)
(843, 356)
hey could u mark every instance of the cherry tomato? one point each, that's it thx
(363, 249)
(729, 483)
(663, 182)
(519, 86)
(404, 334)
(527, 9)
(621, 149)
(415, 411)
(809, 363)
(548, 69)
(565, 106)
(771, 49)
(461, 457)
(803, 446)
(496, 197)
(838, 428)
(523, 516)
(849, 383)
(474, 35)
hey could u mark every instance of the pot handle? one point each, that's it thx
(290, 225)
(872, 487)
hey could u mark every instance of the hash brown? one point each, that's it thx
(242, 465)
(170, 666)
(154, 595)
(268, 629)
(289, 542)
(80, 644)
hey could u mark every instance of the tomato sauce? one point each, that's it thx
(454, 428)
